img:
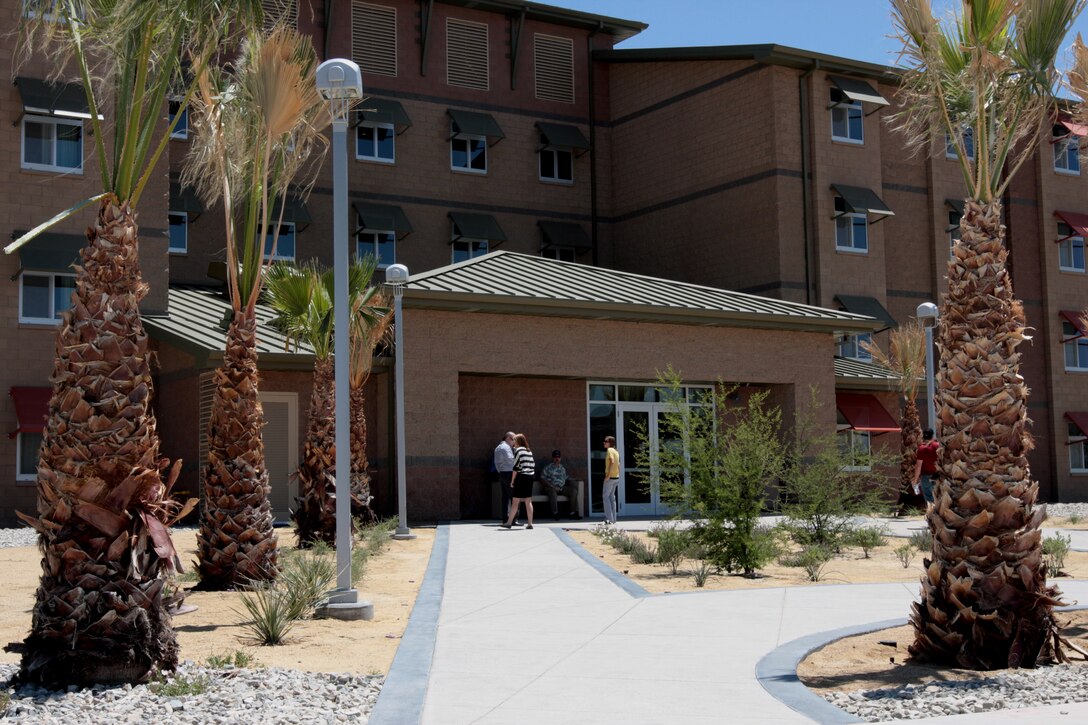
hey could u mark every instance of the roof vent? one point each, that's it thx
(374, 38)
(553, 60)
(467, 54)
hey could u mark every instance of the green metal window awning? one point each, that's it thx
(66, 100)
(382, 218)
(469, 123)
(955, 205)
(384, 110)
(564, 234)
(868, 306)
(475, 226)
(860, 200)
(295, 212)
(183, 198)
(858, 90)
(559, 135)
(50, 252)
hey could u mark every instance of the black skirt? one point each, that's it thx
(523, 486)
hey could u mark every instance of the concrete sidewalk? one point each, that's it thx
(531, 630)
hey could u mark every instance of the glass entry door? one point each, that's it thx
(637, 430)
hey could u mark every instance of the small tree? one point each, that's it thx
(716, 463)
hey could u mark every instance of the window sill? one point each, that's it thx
(556, 182)
(1071, 270)
(847, 141)
(46, 171)
(1078, 472)
(1066, 172)
(178, 252)
(851, 250)
(43, 325)
(470, 172)
(370, 160)
(1077, 371)
(26, 481)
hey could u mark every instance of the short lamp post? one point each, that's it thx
(341, 84)
(396, 276)
(927, 315)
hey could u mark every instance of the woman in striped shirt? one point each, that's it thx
(524, 470)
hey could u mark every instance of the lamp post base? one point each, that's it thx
(347, 611)
(403, 534)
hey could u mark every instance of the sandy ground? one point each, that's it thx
(391, 583)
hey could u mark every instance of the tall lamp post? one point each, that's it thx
(927, 315)
(341, 84)
(396, 276)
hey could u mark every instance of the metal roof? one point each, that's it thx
(193, 324)
(525, 284)
(769, 53)
(618, 28)
(850, 373)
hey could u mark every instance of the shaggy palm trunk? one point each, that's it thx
(985, 601)
(315, 511)
(236, 543)
(911, 433)
(100, 614)
(360, 480)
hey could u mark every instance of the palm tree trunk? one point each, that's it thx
(985, 601)
(360, 480)
(911, 433)
(100, 613)
(315, 512)
(236, 543)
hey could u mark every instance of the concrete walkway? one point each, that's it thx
(527, 628)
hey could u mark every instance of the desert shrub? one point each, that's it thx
(1055, 549)
(305, 579)
(672, 546)
(267, 615)
(5, 700)
(868, 538)
(922, 540)
(1074, 519)
(906, 553)
(640, 552)
(607, 533)
(237, 658)
(179, 686)
(702, 571)
(810, 558)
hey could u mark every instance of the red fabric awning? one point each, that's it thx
(1080, 420)
(1075, 319)
(1074, 128)
(864, 412)
(31, 408)
(1077, 222)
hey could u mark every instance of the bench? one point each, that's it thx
(538, 497)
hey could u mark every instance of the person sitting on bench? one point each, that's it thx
(555, 481)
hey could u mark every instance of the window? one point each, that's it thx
(44, 295)
(563, 254)
(851, 346)
(954, 231)
(469, 249)
(382, 245)
(285, 245)
(1066, 151)
(52, 144)
(846, 118)
(181, 130)
(855, 448)
(375, 142)
(950, 151)
(1078, 450)
(469, 153)
(1071, 249)
(851, 229)
(557, 165)
(179, 232)
(1076, 349)
(26, 456)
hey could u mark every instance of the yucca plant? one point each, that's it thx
(989, 70)
(258, 134)
(100, 613)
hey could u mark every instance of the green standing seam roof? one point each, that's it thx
(50, 252)
(859, 374)
(476, 226)
(525, 284)
(382, 218)
(474, 124)
(295, 212)
(67, 100)
(560, 135)
(858, 90)
(384, 110)
(861, 200)
(564, 234)
(869, 306)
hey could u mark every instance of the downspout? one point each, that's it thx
(328, 27)
(592, 143)
(811, 290)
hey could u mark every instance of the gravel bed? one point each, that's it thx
(1065, 510)
(1010, 690)
(22, 536)
(231, 695)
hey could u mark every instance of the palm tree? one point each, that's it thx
(101, 611)
(906, 358)
(303, 297)
(985, 601)
(256, 128)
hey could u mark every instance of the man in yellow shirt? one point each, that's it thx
(611, 479)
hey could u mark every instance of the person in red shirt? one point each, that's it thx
(926, 465)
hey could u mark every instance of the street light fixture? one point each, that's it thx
(396, 276)
(928, 315)
(341, 84)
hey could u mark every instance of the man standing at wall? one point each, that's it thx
(504, 465)
(611, 480)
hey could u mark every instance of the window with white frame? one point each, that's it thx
(382, 245)
(950, 150)
(1066, 151)
(851, 229)
(179, 232)
(285, 245)
(852, 346)
(181, 112)
(1076, 349)
(855, 447)
(1078, 450)
(563, 254)
(1070, 250)
(954, 231)
(846, 118)
(52, 144)
(26, 455)
(469, 153)
(557, 165)
(464, 249)
(375, 142)
(44, 295)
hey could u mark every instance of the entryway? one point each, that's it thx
(280, 436)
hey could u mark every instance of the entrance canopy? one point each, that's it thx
(864, 412)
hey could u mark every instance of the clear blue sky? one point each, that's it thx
(856, 29)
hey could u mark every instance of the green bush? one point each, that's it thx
(922, 540)
(906, 554)
(672, 546)
(703, 570)
(237, 658)
(1055, 549)
(268, 613)
(1074, 519)
(305, 579)
(180, 686)
(868, 538)
(639, 552)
